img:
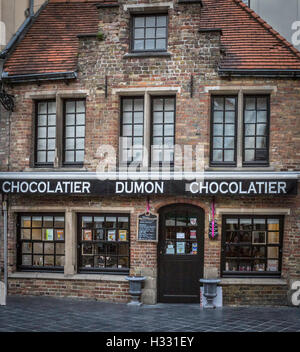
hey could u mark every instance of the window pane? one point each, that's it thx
(161, 21)
(150, 44)
(139, 44)
(218, 103)
(160, 44)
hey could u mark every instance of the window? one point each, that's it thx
(60, 137)
(149, 33)
(163, 130)
(252, 245)
(132, 127)
(224, 120)
(45, 132)
(74, 132)
(158, 139)
(41, 242)
(256, 127)
(240, 139)
(104, 242)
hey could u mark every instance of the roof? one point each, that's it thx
(51, 44)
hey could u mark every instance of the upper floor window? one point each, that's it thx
(159, 136)
(60, 138)
(251, 129)
(149, 33)
(74, 132)
(45, 132)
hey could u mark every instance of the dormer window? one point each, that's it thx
(149, 33)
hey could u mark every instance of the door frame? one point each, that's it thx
(200, 240)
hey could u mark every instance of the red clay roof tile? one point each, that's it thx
(51, 44)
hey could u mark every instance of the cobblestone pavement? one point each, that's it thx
(45, 314)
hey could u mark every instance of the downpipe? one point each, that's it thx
(3, 285)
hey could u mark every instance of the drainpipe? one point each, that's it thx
(31, 8)
(3, 285)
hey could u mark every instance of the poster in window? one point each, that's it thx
(87, 235)
(193, 221)
(272, 265)
(194, 248)
(99, 234)
(180, 248)
(259, 237)
(122, 235)
(111, 235)
(180, 235)
(193, 234)
(60, 235)
(170, 249)
(49, 234)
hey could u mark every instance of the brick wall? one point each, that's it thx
(109, 291)
(257, 295)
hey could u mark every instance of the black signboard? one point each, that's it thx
(93, 187)
(148, 227)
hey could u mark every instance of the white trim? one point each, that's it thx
(243, 89)
(152, 90)
(254, 211)
(53, 94)
(143, 7)
(87, 209)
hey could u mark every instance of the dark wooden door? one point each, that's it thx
(180, 253)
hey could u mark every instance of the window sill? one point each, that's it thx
(61, 276)
(147, 54)
(246, 169)
(44, 169)
(254, 281)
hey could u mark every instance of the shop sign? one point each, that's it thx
(148, 227)
(168, 187)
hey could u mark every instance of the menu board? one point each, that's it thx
(147, 227)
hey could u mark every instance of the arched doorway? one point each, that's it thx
(180, 253)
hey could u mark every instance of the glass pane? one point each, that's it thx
(48, 221)
(80, 157)
(69, 157)
(150, 33)
(80, 143)
(250, 142)
(138, 130)
(70, 132)
(138, 104)
(218, 103)
(169, 141)
(51, 144)
(26, 221)
(99, 262)
(138, 44)
(138, 117)
(36, 221)
(273, 265)
(249, 155)
(42, 144)
(123, 222)
(273, 252)
(80, 106)
(228, 155)
(218, 142)
(59, 235)
(250, 103)
(59, 221)
(127, 117)
(150, 21)
(42, 120)
(218, 116)
(158, 130)
(229, 142)
(218, 130)
(261, 142)
(229, 130)
(262, 103)
(42, 132)
(70, 119)
(26, 248)
(49, 248)
(52, 107)
(139, 33)
(150, 44)
(80, 119)
(139, 21)
(158, 117)
(250, 116)
(41, 157)
(160, 44)
(230, 117)
(51, 120)
(111, 222)
(273, 224)
(230, 104)
(70, 107)
(60, 248)
(60, 260)
(273, 237)
(38, 260)
(87, 261)
(137, 142)
(161, 21)
(111, 262)
(261, 116)
(80, 131)
(25, 234)
(158, 104)
(127, 105)
(127, 130)
(42, 108)
(218, 155)
(169, 130)
(70, 144)
(161, 33)
(38, 248)
(123, 262)
(26, 260)
(261, 130)
(250, 129)
(169, 117)
(49, 260)
(50, 156)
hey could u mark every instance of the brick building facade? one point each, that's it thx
(194, 63)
